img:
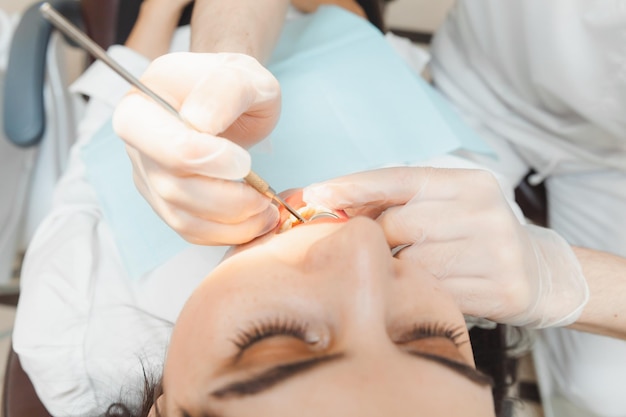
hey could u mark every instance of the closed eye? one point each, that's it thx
(259, 331)
(432, 330)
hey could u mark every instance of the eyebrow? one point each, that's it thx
(463, 369)
(281, 373)
(272, 376)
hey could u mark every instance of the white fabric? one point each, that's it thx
(547, 90)
(544, 82)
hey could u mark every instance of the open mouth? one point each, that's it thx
(311, 213)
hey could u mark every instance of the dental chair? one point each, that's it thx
(109, 22)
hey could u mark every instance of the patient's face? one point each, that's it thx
(321, 320)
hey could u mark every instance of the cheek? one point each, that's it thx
(434, 305)
(418, 297)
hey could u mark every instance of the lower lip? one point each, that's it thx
(327, 217)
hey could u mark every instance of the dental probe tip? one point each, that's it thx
(289, 208)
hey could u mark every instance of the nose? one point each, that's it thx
(358, 261)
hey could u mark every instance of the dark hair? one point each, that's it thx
(495, 353)
(374, 11)
(152, 389)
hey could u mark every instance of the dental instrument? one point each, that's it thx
(71, 31)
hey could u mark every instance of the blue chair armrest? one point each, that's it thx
(23, 102)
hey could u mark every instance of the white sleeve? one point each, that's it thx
(102, 83)
(52, 315)
(79, 332)
(105, 88)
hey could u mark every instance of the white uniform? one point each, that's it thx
(545, 83)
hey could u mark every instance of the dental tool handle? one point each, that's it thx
(256, 182)
(97, 52)
(259, 184)
(71, 31)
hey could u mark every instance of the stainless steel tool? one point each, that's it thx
(97, 52)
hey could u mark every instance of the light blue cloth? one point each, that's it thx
(349, 104)
(144, 240)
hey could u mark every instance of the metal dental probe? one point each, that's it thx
(71, 31)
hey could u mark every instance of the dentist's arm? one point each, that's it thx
(605, 313)
(152, 32)
(249, 27)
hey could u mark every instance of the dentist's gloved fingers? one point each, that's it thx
(240, 102)
(161, 138)
(445, 259)
(193, 195)
(421, 220)
(383, 188)
(531, 278)
(429, 221)
(230, 100)
(216, 92)
(213, 224)
(465, 258)
(195, 205)
(483, 298)
(517, 301)
(203, 232)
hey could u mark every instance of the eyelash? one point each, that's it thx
(282, 327)
(433, 330)
(266, 329)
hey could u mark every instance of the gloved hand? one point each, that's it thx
(459, 226)
(190, 176)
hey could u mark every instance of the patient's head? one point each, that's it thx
(321, 320)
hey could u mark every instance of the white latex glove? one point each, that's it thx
(460, 227)
(191, 177)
